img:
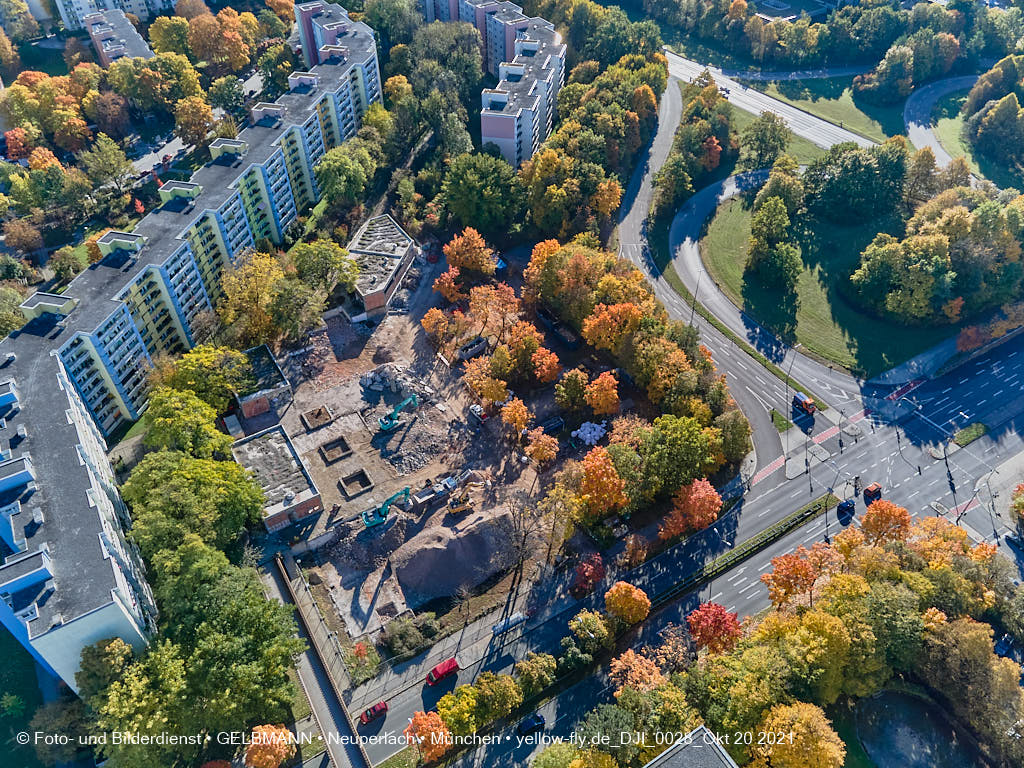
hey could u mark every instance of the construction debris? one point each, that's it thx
(590, 433)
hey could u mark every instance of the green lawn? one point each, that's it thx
(17, 676)
(780, 422)
(832, 99)
(407, 758)
(803, 150)
(824, 321)
(970, 433)
(949, 129)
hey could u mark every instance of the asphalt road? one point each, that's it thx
(917, 113)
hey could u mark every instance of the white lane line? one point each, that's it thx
(766, 511)
(749, 587)
(714, 597)
(737, 574)
(765, 567)
(914, 493)
(731, 608)
(947, 390)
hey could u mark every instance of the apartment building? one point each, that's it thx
(439, 10)
(76, 372)
(115, 37)
(517, 114)
(74, 12)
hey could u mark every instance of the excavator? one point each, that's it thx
(391, 422)
(460, 503)
(376, 516)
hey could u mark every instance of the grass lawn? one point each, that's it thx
(17, 676)
(949, 129)
(824, 321)
(780, 422)
(803, 150)
(832, 99)
(969, 434)
(407, 758)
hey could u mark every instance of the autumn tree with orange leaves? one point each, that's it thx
(435, 323)
(430, 735)
(713, 628)
(540, 446)
(469, 251)
(601, 488)
(495, 307)
(478, 378)
(447, 284)
(602, 394)
(631, 670)
(884, 521)
(608, 326)
(792, 574)
(545, 365)
(627, 603)
(516, 415)
(271, 745)
(694, 507)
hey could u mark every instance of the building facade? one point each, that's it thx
(518, 113)
(76, 373)
(73, 13)
(114, 37)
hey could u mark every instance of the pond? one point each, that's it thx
(898, 730)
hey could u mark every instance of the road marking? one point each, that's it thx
(768, 470)
(947, 390)
(737, 574)
(731, 608)
(749, 587)
(714, 597)
(914, 493)
(765, 567)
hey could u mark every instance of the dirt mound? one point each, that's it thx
(439, 560)
(368, 548)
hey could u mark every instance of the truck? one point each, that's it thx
(804, 403)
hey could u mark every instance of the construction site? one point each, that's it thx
(413, 486)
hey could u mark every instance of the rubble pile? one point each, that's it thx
(590, 433)
(395, 378)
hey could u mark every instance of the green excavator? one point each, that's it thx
(391, 422)
(377, 515)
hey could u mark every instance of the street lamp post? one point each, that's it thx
(693, 304)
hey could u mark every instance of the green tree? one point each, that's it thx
(324, 264)
(275, 64)
(296, 307)
(458, 709)
(394, 20)
(106, 163)
(102, 664)
(169, 34)
(344, 172)
(66, 262)
(483, 192)
(178, 420)
(226, 93)
(536, 671)
(571, 390)
(496, 696)
(181, 576)
(211, 373)
(10, 316)
(606, 726)
(765, 139)
(172, 495)
(65, 715)
(193, 120)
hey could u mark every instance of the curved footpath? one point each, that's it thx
(917, 114)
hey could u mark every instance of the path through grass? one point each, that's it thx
(949, 129)
(824, 321)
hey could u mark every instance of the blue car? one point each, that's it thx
(847, 506)
(531, 724)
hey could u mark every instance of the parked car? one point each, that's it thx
(508, 623)
(477, 412)
(375, 712)
(446, 668)
(872, 493)
(531, 724)
(472, 348)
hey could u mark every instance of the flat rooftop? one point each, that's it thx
(531, 66)
(117, 35)
(266, 374)
(378, 248)
(277, 467)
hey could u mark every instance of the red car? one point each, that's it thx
(442, 670)
(378, 710)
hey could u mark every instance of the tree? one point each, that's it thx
(249, 287)
(545, 365)
(212, 373)
(558, 754)
(516, 415)
(540, 446)
(601, 488)
(694, 507)
(431, 736)
(63, 715)
(602, 394)
(631, 670)
(458, 710)
(792, 574)
(735, 431)
(11, 317)
(496, 696)
(190, 9)
(435, 323)
(193, 120)
(226, 93)
(18, 143)
(112, 114)
(344, 172)
(283, 9)
(447, 284)
(469, 251)
(588, 574)
(536, 671)
(627, 603)
(10, 62)
(482, 191)
(20, 235)
(172, 495)
(102, 663)
(884, 521)
(609, 326)
(591, 630)
(270, 746)
(571, 391)
(106, 163)
(178, 420)
(394, 20)
(810, 741)
(66, 262)
(714, 628)
(324, 264)
(765, 139)
(169, 34)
